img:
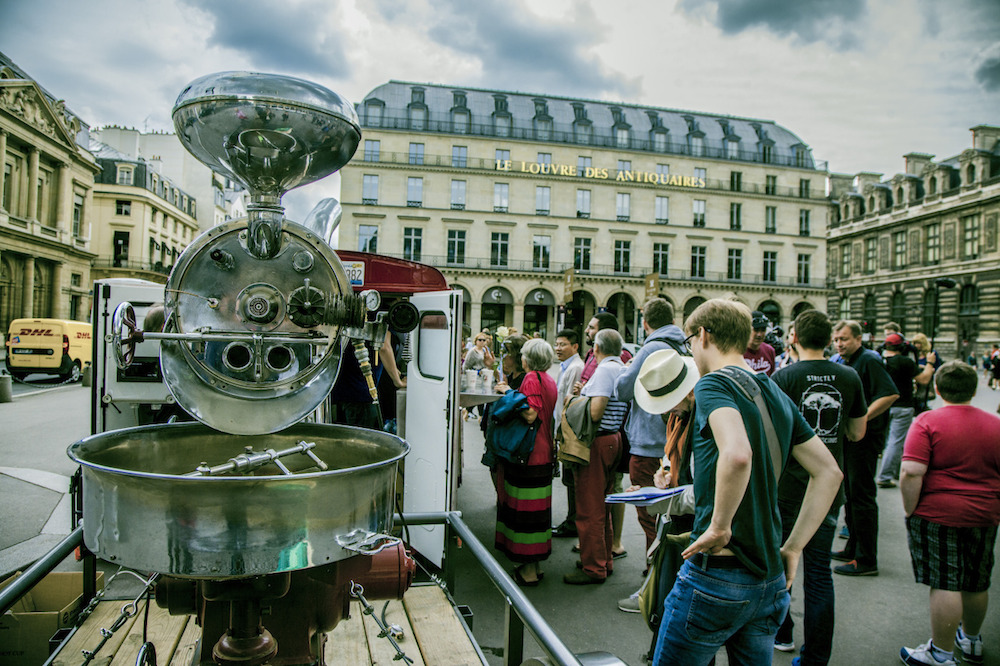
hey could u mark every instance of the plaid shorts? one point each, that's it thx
(959, 559)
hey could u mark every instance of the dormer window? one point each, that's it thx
(458, 99)
(460, 120)
(416, 109)
(500, 104)
(416, 95)
(125, 175)
(622, 137)
(541, 107)
(579, 111)
(373, 112)
(697, 143)
(659, 138)
(732, 149)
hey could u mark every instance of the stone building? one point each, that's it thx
(544, 209)
(921, 247)
(45, 203)
(142, 220)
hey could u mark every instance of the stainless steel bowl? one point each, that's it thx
(141, 511)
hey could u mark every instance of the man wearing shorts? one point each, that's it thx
(950, 483)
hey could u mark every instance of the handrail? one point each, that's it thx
(516, 601)
(37, 571)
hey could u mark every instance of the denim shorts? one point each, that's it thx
(709, 608)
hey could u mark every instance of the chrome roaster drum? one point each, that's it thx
(145, 509)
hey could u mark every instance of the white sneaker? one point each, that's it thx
(923, 654)
(971, 649)
(630, 604)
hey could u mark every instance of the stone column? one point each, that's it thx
(33, 185)
(28, 287)
(3, 165)
(64, 205)
(476, 316)
(59, 308)
(519, 317)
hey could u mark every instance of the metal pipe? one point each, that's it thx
(37, 571)
(529, 615)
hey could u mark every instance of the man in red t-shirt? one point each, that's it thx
(950, 483)
(759, 354)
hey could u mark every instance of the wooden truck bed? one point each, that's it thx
(433, 635)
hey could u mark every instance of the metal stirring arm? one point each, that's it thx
(251, 460)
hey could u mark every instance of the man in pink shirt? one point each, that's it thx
(759, 354)
(950, 483)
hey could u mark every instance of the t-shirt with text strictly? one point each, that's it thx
(828, 395)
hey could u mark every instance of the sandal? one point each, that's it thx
(523, 582)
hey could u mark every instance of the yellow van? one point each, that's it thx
(50, 346)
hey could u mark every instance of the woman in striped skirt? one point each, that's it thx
(524, 492)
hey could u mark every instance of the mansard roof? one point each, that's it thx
(566, 113)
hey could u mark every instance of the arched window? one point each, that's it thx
(847, 212)
(871, 203)
(932, 185)
(899, 195)
(40, 293)
(968, 300)
(929, 312)
(772, 311)
(970, 174)
(897, 311)
(869, 314)
(691, 305)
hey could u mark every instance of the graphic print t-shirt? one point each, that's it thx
(761, 360)
(827, 395)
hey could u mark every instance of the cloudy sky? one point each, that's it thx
(861, 81)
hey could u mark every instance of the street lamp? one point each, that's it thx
(947, 283)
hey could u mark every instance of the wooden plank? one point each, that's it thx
(438, 630)
(381, 649)
(88, 636)
(187, 645)
(163, 630)
(347, 644)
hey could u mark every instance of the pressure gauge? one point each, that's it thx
(372, 299)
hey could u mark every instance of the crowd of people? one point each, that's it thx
(767, 446)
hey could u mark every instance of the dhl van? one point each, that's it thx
(50, 346)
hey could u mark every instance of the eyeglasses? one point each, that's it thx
(687, 340)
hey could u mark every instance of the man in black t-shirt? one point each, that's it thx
(830, 397)
(860, 460)
(903, 371)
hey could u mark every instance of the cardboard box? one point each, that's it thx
(52, 604)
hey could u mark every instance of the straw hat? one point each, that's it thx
(665, 379)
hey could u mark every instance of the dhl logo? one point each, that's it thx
(83, 334)
(36, 331)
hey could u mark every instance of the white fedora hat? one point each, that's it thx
(665, 379)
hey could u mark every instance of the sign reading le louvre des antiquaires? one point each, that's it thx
(599, 173)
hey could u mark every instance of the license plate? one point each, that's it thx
(355, 273)
(41, 352)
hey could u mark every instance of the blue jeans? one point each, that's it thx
(817, 578)
(900, 419)
(707, 609)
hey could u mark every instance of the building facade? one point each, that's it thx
(545, 209)
(920, 248)
(45, 204)
(142, 220)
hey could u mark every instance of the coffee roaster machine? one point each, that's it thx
(259, 522)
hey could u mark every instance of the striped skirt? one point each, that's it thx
(524, 511)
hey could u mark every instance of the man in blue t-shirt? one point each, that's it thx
(732, 588)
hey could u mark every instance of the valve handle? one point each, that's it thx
(125, 334)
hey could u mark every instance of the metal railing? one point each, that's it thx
(555, 270)
(483, 164)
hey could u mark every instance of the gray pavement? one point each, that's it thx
(876, 615)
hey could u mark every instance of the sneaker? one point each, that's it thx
(852, 568)
(784, 647)
(971, 648)
(844, 533)
(841, 556)
(629, 604)
(797, 661)
(923, 654)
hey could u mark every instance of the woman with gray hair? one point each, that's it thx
(595, 479)
(524, 492)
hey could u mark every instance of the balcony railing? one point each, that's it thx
(593, 137)
(124, 265)
(555, 270)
